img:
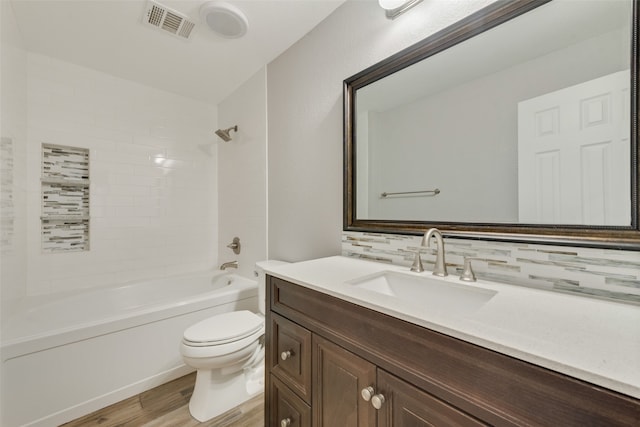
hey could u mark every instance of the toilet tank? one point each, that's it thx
(262, 283)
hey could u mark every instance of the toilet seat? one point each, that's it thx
(223, 329)
(207, 339)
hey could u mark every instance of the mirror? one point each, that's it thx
(513, 124)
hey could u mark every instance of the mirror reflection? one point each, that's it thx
(526, 123)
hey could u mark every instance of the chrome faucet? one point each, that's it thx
(440, 268)
(232, 264)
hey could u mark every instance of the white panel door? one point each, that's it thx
(573, 154)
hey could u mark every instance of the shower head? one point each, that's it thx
(224, 133)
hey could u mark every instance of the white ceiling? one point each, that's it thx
(108, 35)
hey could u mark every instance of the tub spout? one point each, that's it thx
(230, 264)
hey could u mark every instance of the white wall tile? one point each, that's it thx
(144, 221)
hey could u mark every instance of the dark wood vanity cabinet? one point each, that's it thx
(332, 363)
(338, 378)
(341, 378)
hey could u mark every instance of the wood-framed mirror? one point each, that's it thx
(517, 123)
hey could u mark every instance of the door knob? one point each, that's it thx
(286, 422)
(377, 401)
(286, 354)
(367, 393)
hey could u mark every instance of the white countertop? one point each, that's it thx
(595, 340)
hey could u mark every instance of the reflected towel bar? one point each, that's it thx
(434, 192)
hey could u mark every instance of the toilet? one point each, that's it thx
(227, 350)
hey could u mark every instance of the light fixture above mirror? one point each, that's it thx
(394, 8)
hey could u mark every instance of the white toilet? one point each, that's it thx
(228, 352)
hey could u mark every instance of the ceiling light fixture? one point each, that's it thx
(224, 19)
(394, 8)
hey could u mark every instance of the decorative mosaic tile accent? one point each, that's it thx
(7, 213)
(65, 235)
(65, 198)
(602, 273)
(65, 163)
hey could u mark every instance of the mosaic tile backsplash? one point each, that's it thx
(601, 273)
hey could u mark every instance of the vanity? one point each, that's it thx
(468, 132)
(341, 352)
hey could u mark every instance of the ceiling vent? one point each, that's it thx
(169, 20)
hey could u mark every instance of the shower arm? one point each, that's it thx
(224, 134)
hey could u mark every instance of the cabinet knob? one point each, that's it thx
(377, 401)
(285, 355)
(367, 393)
(285, 422)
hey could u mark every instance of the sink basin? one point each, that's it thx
(426, 292)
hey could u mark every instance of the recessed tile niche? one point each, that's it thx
(65, 198)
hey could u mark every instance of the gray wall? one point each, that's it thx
(242, 173)
(304, 106)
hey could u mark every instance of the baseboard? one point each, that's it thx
(115, 396)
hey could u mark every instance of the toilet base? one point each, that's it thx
(215, 393)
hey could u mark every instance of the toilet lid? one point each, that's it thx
(224, 328)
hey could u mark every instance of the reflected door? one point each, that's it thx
(573, 154)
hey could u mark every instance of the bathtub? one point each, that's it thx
(68, 355)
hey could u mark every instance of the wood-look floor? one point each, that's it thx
(168, 406)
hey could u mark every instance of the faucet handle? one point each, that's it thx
(235, 245)
(417, 263)
(467, 272)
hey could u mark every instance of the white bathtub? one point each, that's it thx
(67, 356)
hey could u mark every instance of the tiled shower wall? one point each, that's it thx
(602, 273)
(13, 154)
(153, 176)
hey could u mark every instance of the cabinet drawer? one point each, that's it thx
(291, 355)
(287, 409)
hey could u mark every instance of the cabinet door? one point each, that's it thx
(407, 406)
(339, 377)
